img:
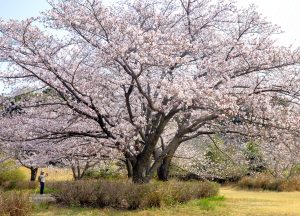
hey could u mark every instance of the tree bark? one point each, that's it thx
(33, 173)
(163, 170)
(129, 168)
(142, 163)
(139, 174)
(74, 171)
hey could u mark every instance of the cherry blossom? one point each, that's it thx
(145, 77)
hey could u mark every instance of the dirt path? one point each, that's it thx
(45, 198)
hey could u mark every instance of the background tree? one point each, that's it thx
(213, 158)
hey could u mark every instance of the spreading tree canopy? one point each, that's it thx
(145, 76)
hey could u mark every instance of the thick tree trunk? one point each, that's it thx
(142, 163)
(163, 170)
(143, 169)
(129, 168)
(33, 173)
(139, 174)
(140, 169)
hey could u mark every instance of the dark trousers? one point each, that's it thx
(42, 186)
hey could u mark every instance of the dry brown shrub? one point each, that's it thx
(124, 194)
(15, 204)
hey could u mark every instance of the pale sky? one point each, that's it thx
(285, 13)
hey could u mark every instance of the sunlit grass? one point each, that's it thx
(210, 203)
(189, 209)
(262, 203)
(54, 174)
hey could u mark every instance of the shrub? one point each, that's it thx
(123, 194)
(33, 185)
(19, 185)
(101, 174)
(185, 191)
(268, 182)
(15, 204)
(292, 184)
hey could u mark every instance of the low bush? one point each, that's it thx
(123, 194)
(102, 174)
(19, 185)
(15, 204)
(291, 184)
(268, 182)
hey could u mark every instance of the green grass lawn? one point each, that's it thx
(231, 202)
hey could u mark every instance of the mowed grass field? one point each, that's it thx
(239, 202)
(231, 202)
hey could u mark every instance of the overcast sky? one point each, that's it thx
(285, 13)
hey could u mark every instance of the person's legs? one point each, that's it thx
(42, 184)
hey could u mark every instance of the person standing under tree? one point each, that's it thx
(42, 180)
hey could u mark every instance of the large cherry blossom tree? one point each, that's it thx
(146, 76)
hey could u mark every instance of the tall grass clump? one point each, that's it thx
(15, 204)
(125, 195)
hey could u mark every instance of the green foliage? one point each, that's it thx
(254, 157)
(252, 148)
(101, 174)
(214, 154)
(295, 171)
(41, 206)
(123, 194)
(49, 190)
(10, 175)
(210, 203)
(17, 98)
(15, 204)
